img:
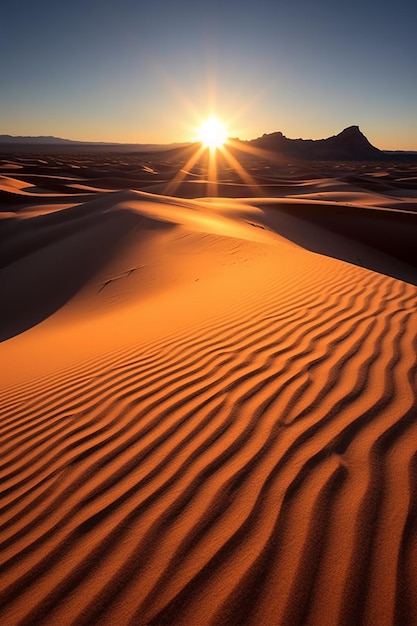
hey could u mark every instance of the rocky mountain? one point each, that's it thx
(349, 145)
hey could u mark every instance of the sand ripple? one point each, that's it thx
(254, 465)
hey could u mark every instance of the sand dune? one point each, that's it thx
(208, 404)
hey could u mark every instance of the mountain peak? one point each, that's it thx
(350, 145)
(351, 129)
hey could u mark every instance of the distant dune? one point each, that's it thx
(209, 389)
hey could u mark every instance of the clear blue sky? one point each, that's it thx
(136, 71)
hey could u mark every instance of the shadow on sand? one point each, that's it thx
(48, 259)
(377, 239)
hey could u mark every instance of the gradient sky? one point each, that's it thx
(149, 72)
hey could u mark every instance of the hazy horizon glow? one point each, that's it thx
(124, 72)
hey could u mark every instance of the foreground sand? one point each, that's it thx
(208, 405)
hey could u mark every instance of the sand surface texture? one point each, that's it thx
(208, 404)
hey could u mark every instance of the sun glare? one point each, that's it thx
(212, 133)
(215, 151)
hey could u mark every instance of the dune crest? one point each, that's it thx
(208, 405)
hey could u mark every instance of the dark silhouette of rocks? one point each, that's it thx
(349, 145)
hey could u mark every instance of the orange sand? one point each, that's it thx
(208, 405)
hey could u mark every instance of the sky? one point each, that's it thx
(151, 72)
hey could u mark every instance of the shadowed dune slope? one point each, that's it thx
(75, 251)
(203, 421)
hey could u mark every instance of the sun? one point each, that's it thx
(212, 133)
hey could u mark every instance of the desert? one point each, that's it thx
(208, 388)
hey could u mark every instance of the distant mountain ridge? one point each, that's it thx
(49, 140)
(43, 140)
(350, 144)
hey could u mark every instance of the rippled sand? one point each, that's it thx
(208, 404)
